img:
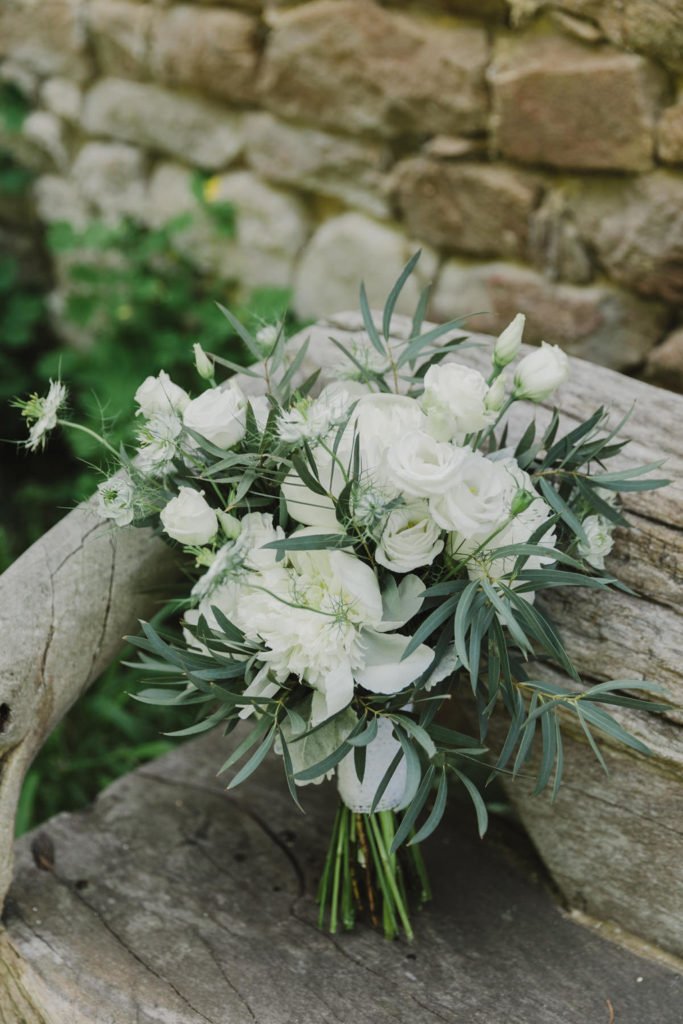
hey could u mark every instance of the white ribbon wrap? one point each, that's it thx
(358, 796)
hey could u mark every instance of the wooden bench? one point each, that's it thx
(170, 901)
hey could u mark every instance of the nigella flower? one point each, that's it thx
(41, 413)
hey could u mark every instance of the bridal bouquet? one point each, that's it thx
(366, 563)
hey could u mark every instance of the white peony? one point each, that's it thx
(219, 415)
(115, 499)
(598, 532)
(189, 518)
(454, 402)
(541, 372)
(410, 538)
(305, 505)
(160, 395)
(421, 467)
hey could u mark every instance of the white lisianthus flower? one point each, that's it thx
(509, 342)
(479, 501)
(158, 443)
(160, 395)
(381, 420)
(305, 505)
(421, 467)
(495, 396)
(115, 499)
(541, 372)
(410, 538)
(519, 531)
(189, 518)
(219, 415)
(598, 532)
(202, 362)
(454, 401)
(41, 413)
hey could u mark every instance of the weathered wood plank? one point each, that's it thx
(65, 605)
(173, 902)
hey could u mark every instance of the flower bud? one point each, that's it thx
(230, 524)
(541, 372)
(509, 342)
(202, 362)
(495, 396)
(521, 502)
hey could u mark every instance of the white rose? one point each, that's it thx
(479, 501)
(509, 342)
(115, 499)
(454, 401)
(410, 539)
(219, 415)
(189, 518)
(518, 531)
(422, 467)
(598, 532)
(541, 372)
(160, 395)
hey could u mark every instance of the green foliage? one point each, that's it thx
(103, 736)
(143, 305)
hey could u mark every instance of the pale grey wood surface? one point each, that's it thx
(173, 902)
(65, 605)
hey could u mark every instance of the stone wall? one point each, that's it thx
(533, 149)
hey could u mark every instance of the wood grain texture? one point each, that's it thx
(173, 902)
(65, 606)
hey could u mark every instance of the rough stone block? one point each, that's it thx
(213, 50)
(57, 199)
(111, 176)
(467, 207)
(555, 243)
(560, 103)
(350, 65)
(670, 135)
(665, 363)
(164, 121)
(351, 249)
(655, 27)
(120, 33)
(332, 165)
(63, 98)
(271, 226)
(600, 323)
(45, 37)
(636, 229)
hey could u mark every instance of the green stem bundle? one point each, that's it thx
(362, 876)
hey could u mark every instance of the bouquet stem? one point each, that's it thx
(362, 876)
